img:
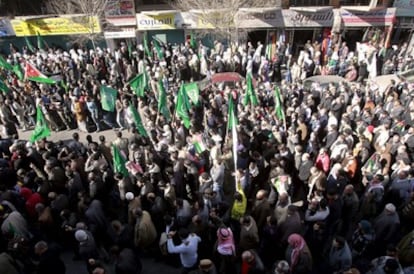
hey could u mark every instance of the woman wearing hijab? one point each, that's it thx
(298, 255)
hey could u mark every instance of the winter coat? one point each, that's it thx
(340, 259)
(145, 232)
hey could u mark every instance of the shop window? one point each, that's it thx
(309, 3)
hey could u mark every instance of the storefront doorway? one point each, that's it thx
(300, 38)
(256, 36)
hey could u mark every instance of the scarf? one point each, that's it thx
(298, 244)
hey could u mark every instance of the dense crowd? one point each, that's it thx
(326, 188)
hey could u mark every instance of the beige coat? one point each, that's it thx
(144, 233)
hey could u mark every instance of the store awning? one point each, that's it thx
(312, 9)
(158, 12)
(261, 10)
(361, 8)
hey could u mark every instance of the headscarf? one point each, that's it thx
(298, 244)
(225, 242)
(366, 227)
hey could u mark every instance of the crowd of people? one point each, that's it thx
(326, 188)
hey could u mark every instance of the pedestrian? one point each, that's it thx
(187, 249)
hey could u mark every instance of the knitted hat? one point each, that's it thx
(81, 236)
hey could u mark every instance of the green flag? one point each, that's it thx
(108, 98)
(3, 87)
(278, 105)
(18, 71)
(138, 122)
(199, 147)
(41, 130)
(157, 46)
(42, 80)
(162, 101)
(232, 125)
(29, 44)
(4, 64)
(182, 107)
(64, 85)
(129, 47)
(40, 41)
(146, 47)
(193, 92)
(193, 43)
(231, 117)
(250, 93)
(119, 161)
(139, 83)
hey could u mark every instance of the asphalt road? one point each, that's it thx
(67, 134)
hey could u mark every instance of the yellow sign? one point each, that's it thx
(214, 19)
(57, 26)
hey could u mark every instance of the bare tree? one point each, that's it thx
(87, 10)
(219, 15)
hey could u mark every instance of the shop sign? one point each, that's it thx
(57, 26)
(404, 7)
(295, 19)
(156, 22)
(6, 28)
(284, 19)
(120, 12)
(263, 19)
(122, 33)
(215, 19)
(384, 17)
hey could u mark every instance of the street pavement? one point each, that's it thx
(109, 134)
(150, 266)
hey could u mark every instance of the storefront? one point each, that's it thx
(405, 20)
(6, 33)
(305, 25)
(295, 27)
(375, 25)
(166, 26)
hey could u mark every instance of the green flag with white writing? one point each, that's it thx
(162, 101)
(250, 96)
(108, 98)
(42, 129)
(119, 161)
(139, 84)
(4, 64)
(193, 92)
(138, 121)
(182, 107)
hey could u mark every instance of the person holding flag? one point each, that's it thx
(279, 111)
(250, 96)
(182, 107)
(42, 129)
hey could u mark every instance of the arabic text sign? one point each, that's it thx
(57, 26)
(154, 22)
(383, 17)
